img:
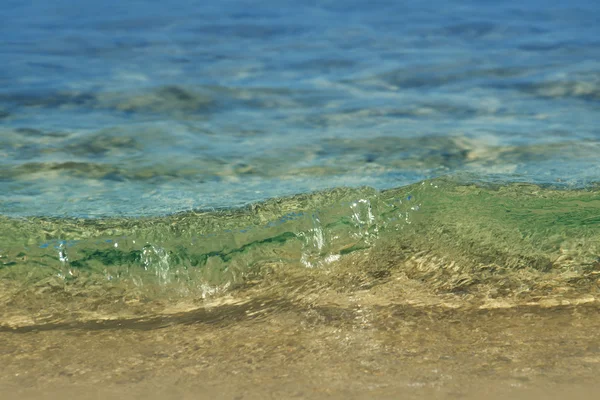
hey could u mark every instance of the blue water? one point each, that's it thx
(147, 108)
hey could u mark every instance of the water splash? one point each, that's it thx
(452, 236)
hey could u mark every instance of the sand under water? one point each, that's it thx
(441, 289)
(183, 210)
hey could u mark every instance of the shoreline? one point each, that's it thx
(311, 352)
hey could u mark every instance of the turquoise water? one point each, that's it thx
(112, 109)
(184, 150)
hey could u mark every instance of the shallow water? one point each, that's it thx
(358, 351)
(357, 178)
(111, 109)
(513, 241)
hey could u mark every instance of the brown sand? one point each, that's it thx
(264, 351)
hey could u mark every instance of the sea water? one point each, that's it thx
(140, 137)
(134, 109)
(157, 157)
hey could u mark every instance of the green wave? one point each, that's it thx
(452, 237)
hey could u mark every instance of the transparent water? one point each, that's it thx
(136, 109)
(276, 199)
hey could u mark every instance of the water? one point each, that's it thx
(158, 161)
(112, 109)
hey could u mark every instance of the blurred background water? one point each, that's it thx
(146, 108)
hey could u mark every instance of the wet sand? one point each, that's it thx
(263, 350)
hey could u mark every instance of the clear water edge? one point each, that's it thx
(115, 129)
(514, 242)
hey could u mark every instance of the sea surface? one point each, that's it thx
(158, 159)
